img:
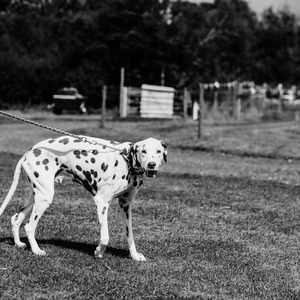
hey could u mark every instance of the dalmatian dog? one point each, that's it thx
(106, 169)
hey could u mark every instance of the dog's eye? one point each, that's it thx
(144, 151)
(158, 151)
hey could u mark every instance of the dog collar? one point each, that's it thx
(133, 170)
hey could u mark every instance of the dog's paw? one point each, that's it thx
(21, 245)
(40, 252)
(138, 257)
(99, 252)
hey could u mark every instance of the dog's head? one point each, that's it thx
(149, 155)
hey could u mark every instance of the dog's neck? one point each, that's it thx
(134, 165)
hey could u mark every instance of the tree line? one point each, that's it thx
(48, 44)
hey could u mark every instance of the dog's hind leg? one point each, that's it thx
(41, 203)
(16, 222)
(18, 218)
(39, 207)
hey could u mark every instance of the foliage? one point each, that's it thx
(45, 45)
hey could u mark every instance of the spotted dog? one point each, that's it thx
(105, 172)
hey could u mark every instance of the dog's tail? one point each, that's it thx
(13, 186)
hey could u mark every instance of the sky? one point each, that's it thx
(260, 5)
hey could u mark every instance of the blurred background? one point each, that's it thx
(49, 45)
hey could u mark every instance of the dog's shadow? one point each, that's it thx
(77, 246)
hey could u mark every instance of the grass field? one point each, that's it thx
(221, 221)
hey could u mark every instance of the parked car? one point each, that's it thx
(68, 99)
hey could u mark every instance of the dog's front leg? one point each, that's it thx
(126, 205)
(102, 202)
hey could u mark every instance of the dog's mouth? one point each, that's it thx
(151, 173)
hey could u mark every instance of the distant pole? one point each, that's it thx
(200, 111)
(237, 102)
(103, 112)
(122, 80)
(185, 102)
(162, 77)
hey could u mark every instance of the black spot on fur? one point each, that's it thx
(103, 210)
(63, 166)
(57, 172)
(114, 176)
(116, 163)
(127, 231)
(84, 152)
(56, 161)
(64, 141)
(33, 185)
(88, 187)
(94, 185)
(76, 153)
(51, 141)
(104, 147)
(93, 160)
(35, 217)
(95, 152)
(38, 163)
(37, 152)
(99, 179)
(78, 168)
(46, 168)
(124, 151)
(141, 182)
(77, 141)
(36, 174)
(135, 183)
(123, 177)
(88, 176)
(45, 161)
(93, 172)
(104, 167)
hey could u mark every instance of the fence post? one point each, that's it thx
(215, 103)
(103, 110)
(122, 80)
(236, 102)
(186, 98)
(200, 111)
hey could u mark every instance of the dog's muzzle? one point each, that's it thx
(150, 171)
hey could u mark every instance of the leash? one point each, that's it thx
(59, 131)
(138, 171)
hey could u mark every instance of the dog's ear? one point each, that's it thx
(133, 154)
(165, 154)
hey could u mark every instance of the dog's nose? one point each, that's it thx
(151, 165)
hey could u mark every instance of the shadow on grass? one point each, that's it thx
(77, 246)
